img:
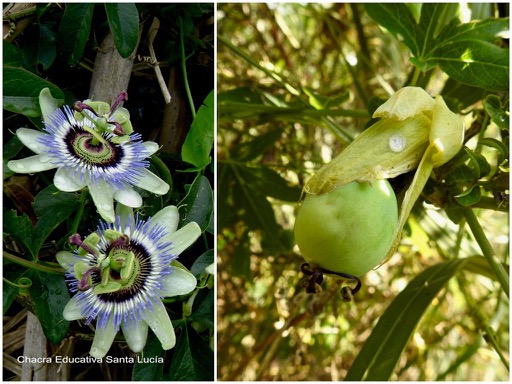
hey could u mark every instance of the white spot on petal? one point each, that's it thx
(397, 143)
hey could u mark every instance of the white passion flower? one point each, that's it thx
(91, 151)
(121, 272)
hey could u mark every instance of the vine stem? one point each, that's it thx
(184, 69)
(33, 265)
(487, 250)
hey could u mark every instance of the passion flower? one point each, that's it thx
(90, 152)
(348, 230)
(121, 272)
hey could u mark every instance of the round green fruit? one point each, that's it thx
(348, 229)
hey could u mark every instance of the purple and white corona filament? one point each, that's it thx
(89, 152)
(121, 272)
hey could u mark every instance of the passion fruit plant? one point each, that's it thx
(371, 141)
(108, 206)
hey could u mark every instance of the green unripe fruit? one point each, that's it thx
(348, 229)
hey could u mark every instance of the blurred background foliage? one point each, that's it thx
(296, 83)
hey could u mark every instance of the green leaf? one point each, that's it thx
(50, 295)
(469, 197)
(318, 101)
(12, 55)
(202, 262)
(193, 359)
(383, 348)
(198, 203)
(199, 141)
(21, 90)
(498, 113)
(256, 147)
(148, 371)
(11, 149)
(466, 52)
(75, 27)
(249, 190)
(21, 230)
(52, 208)
(397, 19)
(123, 19)
(204, 312)
(9, 292)
(40, 50)
(498, 145)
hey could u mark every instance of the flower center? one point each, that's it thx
(86, 147)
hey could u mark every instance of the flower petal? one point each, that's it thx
(152, 183)
(159, 321)
(66, 181)
(66, 259)
(103, 339)
(135, 334)
(151, 147)
(183, 237)
(72, 310)
(31, 164)
(178, 282)
(30, 138)
(47, 104)
(168, 218)
(128, 197)
(103, 197)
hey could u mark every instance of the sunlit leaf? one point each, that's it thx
(499, 115)
(383, 348)
(466, 52)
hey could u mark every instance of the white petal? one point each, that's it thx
(66, 259)
(103, 339)
(183, 237)
(178, 282)
(135, 335)
(152, 183)
(128, 197)
(31, 164)
(159, 321)
(65, 181)
(29, 137)
(168, 218)
(47, 103)
(151, 147)
(72, 311)
(103, 197)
